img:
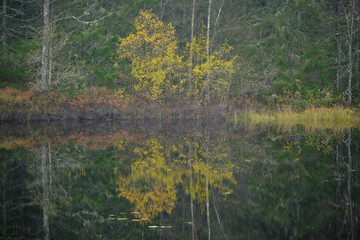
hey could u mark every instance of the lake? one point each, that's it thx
(178, 180)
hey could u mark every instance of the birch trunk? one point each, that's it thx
(191, 199)
(45, 187)
(357, 62)
(43, 83)
(216, 24)
(4, 216)
(350, 23)
(191, 46)
(208, 51)
(4, 25)
(339, 84)
(349, 200)
(338, 73)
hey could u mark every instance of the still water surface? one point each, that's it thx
(178, 181)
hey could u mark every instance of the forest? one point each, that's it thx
(180, 119)
(176, 58)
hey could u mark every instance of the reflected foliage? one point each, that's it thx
(159, 167)
(143, 184)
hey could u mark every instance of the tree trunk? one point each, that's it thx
(191, 199)
(161, 9)
(350, 50)
(43, 83)
(207, 190)
(4, 26)
(45, 187)
(208, 205)
(357, 37)
(338, 72)
(4, 216)
(208, 52)
(339, 84)
(50, 64)
(349, 200)
(357, 63)
(191, 47)
(216, 23)
(184, 13)
(51, 29)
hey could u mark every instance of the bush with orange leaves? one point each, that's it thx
(89, 100)
(12, 98)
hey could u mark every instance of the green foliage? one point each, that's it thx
(277, 43)
(289, 42)
(15, 69)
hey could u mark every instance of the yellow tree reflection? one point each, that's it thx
(151, 184)
(160, 166)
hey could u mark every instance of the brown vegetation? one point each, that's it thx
(97, 103)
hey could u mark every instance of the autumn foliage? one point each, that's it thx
(160, 70)
(55, 103)
(153, 54)
(95, 104)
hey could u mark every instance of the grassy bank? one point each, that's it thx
(312, 118)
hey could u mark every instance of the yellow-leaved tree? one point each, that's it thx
(194, 87)
(212, 78)
(152, 50)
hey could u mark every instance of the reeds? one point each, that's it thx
(312, 118)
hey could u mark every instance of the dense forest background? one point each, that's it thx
(299, 52)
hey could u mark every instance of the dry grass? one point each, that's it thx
(335, 118)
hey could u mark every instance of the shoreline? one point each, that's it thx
(100, 104)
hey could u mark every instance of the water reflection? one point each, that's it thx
(170, 182)
(159, 166)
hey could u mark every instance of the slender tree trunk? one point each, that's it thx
(338, 191)
(43, 84)
(50, 167)
(4, 216)
(51, 29)
(339, 48)
(208, 51)
(350, 24)
(217, 215)
(50, 64)
(4, 26)
(350, 61)
(338, 73)
(208, 205)
(357, 37)
(357, 62)
(161, 9)
(45, 187)
(349, 185)
(191, 47)
(216, 23)
(191, 198)
(207, 191)
(184, 13)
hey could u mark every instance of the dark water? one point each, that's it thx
(177, 181)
